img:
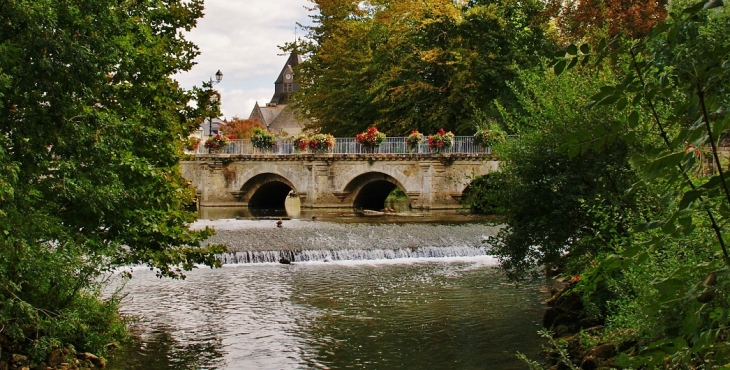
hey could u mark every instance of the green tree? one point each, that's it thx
(404, 65)
(664, 285)
(91, 130)
(554, 203)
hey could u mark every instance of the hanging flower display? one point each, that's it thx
(370, 139)
(262, 139)
(192, 144)
(300, 143)
(216, 142)
(440, 141)
(488, 137)
(321, 143)
(414, 140)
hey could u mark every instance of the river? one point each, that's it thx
(349, 301)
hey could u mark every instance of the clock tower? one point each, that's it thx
(277, 116)
(285, 84)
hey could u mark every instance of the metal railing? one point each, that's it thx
(348, 145)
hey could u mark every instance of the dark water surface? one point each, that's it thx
(401, 314)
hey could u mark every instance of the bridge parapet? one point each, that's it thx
(348, 145)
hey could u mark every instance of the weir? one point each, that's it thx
(308, 241)
(330, 255)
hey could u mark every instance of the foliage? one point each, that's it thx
(486, 194)
(440, 141)
(675, 86)
(370, 139)
(413, 140)
(552, 202)
(241, 128)
(623, 192)
(262, 139)
(217, 142)
(321, 143)
(192, 143)
(90, 136)
(413, 64)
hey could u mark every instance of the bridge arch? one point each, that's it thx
(266, 190)
(369, 190)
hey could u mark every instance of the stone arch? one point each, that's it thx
(466, 187)
(369, 190)
(267, 190)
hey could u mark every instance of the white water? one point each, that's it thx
(326, 255)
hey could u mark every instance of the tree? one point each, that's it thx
(553, 202)
(240, 128)
(594, 19)
(91, 131)
(663, 286)
(404, 65)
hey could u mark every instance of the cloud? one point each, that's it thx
(240, 38)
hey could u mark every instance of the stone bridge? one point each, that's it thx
(431, 181)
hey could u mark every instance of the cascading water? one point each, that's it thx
(328, 255)
(302, 241)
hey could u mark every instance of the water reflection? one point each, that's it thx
(418, 315)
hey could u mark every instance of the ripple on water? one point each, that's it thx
(420, 315)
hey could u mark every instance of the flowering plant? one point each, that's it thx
(216, 142)
(440, 141)
(487, 137)
(414, 140)
(262, 139)
(321, 143)
(370, 139)
(300, 143)
(192, 144)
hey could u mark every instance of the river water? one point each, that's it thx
(374, 311)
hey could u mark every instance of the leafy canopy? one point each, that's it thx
(91, 129)
(403, 65)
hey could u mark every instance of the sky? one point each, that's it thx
(241, 38)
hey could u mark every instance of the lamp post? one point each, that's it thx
(213, 98)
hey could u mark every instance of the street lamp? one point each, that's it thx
(213, 98)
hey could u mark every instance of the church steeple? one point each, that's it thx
(286, 84)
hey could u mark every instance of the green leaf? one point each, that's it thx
(559, 67)
(689, 197)
(633, 119)
(572, 49)
(585, 48)
(572, 63)
(649, 226)
(669, 288)
(668, 162)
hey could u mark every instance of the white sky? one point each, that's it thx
(241, 38)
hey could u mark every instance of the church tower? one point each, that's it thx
(285, 84)
(277, 116)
